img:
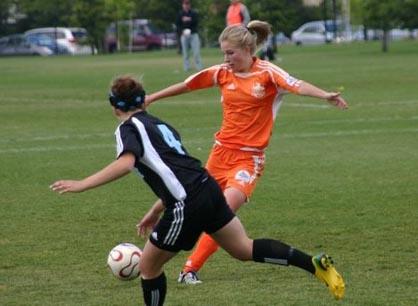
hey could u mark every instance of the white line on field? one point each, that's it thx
(28, 138)
(387, 103)
(79, 136)
(348, 133)
(195, 101)
(194, 142)
(308, 105)
(55, 148)
(58, 137)
(352, 120)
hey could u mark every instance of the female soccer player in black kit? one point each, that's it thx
(192, 202)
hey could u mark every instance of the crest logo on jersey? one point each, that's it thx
(243, 177)
(258, 91)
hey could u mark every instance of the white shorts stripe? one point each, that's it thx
(155, 297)
(276, 261)
(181, 218)
(176, 225)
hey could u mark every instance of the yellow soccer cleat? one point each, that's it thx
(325, 271)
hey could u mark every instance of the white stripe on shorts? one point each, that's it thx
(155, 297)
(176, 225)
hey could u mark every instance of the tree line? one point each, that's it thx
(17, 16)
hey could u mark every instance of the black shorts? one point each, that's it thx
(183, 222)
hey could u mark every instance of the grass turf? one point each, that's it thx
(340, 181)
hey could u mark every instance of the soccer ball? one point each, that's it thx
(187, 32)
(123, 261)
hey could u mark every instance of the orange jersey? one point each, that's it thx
(234, 15)
(250, 101)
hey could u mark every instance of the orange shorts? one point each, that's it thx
(235, 168)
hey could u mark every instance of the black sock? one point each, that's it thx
(276, 252)
(154, 290)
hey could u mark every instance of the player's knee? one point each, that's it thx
(241, 257)
(244, 252)
(149, 271)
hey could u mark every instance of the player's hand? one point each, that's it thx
(335, 99)
(63, 186)
(147, 223)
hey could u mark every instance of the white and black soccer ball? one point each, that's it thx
(123, 261)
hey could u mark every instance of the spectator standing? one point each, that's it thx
(267, 51)
(237, 14)
(187, 24)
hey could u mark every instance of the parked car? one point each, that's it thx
(74, 40)
(18, 45)
(169, 39)
(401, 34)
(282, 39)
(136, 35)
(318, 32)
(358, 33)
(44, 40)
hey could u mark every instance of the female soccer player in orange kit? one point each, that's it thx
(251, 94)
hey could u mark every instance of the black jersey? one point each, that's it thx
(192, 23)
(161, 159)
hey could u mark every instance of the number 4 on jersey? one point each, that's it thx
(169, 138)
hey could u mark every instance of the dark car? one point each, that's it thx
(18, 45)
(136, 35)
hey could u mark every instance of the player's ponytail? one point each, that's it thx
(261, 29)
(253, 35)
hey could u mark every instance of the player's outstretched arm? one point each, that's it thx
(113, 171)
(172, 90)
(150, 219)
(334, 98)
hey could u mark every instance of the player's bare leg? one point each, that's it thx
(154, 282)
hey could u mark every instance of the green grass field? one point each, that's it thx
(341, 181)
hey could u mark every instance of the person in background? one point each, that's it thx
(187, 23)
(237, 14)
(192, 200)
(252, 92)
(267, 51)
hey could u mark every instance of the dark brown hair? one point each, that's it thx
(126, 87)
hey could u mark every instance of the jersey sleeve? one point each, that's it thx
(284, 80)
(128, 140)
(203, 79)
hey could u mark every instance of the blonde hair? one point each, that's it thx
(253, 35)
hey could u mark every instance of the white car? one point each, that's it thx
(314, 32)
(18, 44)
(73, 39)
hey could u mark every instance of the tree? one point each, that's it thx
(92, 16)
(162, 12)
(284, 15)
(119, 10)
(45, 13)
(212, 16)
(384, 15)
(5, 7)
(410, 14)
